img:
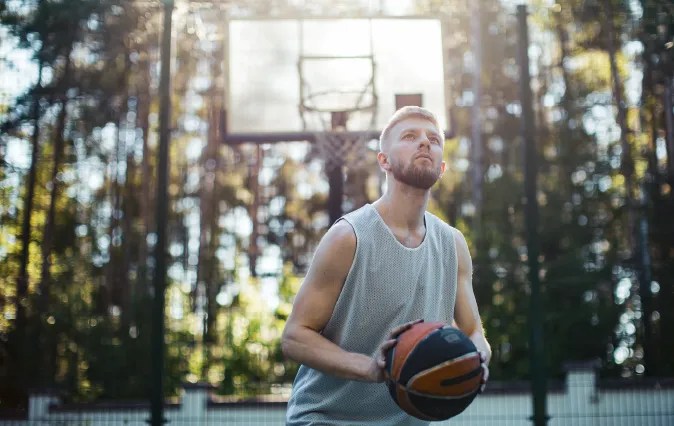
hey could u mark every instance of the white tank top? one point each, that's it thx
(388, 284)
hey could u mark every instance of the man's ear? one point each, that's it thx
(382, 159)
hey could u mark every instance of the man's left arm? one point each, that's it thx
(466, 313)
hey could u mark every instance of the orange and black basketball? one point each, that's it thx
(434, 371)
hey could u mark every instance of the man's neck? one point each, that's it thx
(403, 206)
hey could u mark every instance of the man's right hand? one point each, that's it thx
(377, 371)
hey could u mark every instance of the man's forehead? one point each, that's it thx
(415, 123)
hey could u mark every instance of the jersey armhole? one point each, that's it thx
(349, 274)
(355, 253)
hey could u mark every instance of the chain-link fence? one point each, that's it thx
(581, 400)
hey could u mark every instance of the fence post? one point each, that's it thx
(193, 409)
(538, 375)
(581, 380)
(158, 344)
(39, 402)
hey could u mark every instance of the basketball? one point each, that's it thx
(434, 371)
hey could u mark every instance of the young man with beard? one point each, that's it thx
(377, 271)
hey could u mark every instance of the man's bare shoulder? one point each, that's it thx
(458, 236)
(340, 236)
(462, 250)
(333, 257)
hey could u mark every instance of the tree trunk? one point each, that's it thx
(477, 145)
(564, 150)
(542, 125)
(208, 233)
(50, 223)
(146, 202)
(111, 269)
(211, 164)
(637, 241)
(668, 103)
(129, 241)
(117, 270)
(627, 164)
(22, 279)
(17, 376)
(48, 236)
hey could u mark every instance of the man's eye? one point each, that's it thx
(408, 136)
(435, 140)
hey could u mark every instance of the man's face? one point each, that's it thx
(415, 153)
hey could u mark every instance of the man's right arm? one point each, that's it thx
(313, 307)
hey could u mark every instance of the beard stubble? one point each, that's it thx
(414, 175)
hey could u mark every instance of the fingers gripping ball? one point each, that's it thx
(434, 371)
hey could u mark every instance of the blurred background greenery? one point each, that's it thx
(79, 112)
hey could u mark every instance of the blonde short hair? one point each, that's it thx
(404, 113)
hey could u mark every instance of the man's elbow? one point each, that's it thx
(287, 340)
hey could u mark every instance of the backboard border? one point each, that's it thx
(237, 138)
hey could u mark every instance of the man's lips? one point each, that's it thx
(426, 156)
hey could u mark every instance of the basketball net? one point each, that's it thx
(336, 146)
(337, 93)
(339, 149)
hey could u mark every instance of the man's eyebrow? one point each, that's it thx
(433, 133)
(418, 129)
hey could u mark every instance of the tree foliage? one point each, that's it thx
(77, 217)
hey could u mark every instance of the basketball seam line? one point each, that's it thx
(444, 364)
(416, 345)
(409, 383)
(425, 395)
(410, 406)
(459, 379)
(411, 380)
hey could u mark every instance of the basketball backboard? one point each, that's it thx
(285, 74)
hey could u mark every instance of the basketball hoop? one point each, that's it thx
(349, 73)
(339, 149)
(338, 93)
(336, 111)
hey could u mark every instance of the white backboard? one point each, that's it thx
(264, 68)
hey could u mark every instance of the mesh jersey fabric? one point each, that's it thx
(388, 284)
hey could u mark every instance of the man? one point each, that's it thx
(377, 271)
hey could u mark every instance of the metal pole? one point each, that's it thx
(336, 193)
(336, 175)
(159, 278)
(253, 249)
(538, 380)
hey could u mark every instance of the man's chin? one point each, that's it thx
(419, 182)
